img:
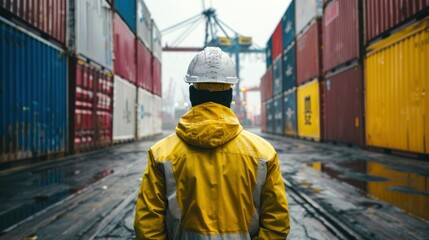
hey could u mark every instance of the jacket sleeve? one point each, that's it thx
(274, 212)
(151, 203)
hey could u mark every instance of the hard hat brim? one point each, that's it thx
(196, 79)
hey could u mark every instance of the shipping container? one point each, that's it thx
(289, 25)
(396, 85)
(144, 24)
(47, 16)
(309, 110)
(309, 54)
(340, 33)
(383, 16)
(270, 115)
(305, 12)
(33, 98)
(289, 67)
(264, 116)
(156, 42)
(91, 31)
(156, 77)
(268, 54)
(289, 111)
(277, 42)
(91, 105)
(124, 110)
(157, 114)
(278, 114)
(145, 114)
(144, 67)
(125, 50)
(343, 113)
(127, 11)
(278, 76)
(266, 85)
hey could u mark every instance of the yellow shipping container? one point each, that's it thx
(405, 190)
(308, 111)
(397, 88)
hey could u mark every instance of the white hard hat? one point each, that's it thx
(211, 65)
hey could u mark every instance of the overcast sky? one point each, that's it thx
(250, 18)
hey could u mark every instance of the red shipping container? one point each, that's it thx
(277, 41)
(144, 68)
(343, 111)
(309, 54)
(267, 85)
(156, 77)
(125, 50)
(48, 16)
(383, 15)
(340, 33)
(264, 117)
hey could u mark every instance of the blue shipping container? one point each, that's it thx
(289, 67)
(289, 25)
(127, 10)
(289, 111)
(270, 116)
(268, 54)
(278, 76)
(278, 114)
(33, 80)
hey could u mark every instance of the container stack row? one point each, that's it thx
(359, 74)
(76, 75)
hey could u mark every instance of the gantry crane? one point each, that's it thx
(217, 34)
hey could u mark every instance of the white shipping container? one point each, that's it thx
(91, 30)
(144, 24)
(305, 12)
(157, 116)
(156, 42)
(145, 114)
(124, 110)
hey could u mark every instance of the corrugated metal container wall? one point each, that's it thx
(125, 50)
(127, 10)
(340, 33)
(268, 54)
(91, 31)
(289, 111)
(309, 54)
(264, 116)
(278, 114)
(267, 85)
(309, 109)
(305, 12)
(270, 115)
(156, 42)
(144, 114)
(156, 77)
(104, 108)
(289, 67)
(124, 110)
(289, 25)
(144, 24)
(157, 115)
(48, 16)
(277, 76)
(33, 123)
(343, 106)
(380, 16)
(144, 67)
(396, 80)
(277, 42)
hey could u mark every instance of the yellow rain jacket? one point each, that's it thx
(212, 180)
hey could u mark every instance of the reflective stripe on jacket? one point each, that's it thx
(212, 180)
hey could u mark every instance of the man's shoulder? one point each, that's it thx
(258, 143)
(171, 144)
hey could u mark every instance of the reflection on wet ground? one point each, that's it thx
(404, 187)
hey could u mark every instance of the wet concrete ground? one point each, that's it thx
(334, 192)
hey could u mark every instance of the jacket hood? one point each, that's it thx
(208, 125)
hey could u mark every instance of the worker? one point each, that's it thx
(211, 179)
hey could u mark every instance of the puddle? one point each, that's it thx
(404, 187)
